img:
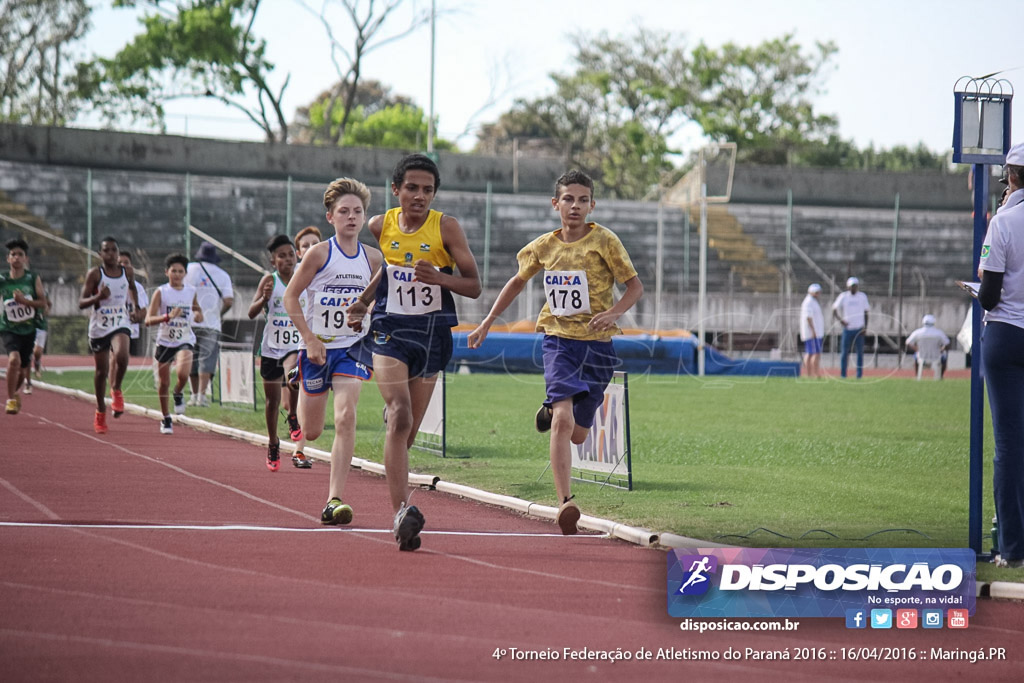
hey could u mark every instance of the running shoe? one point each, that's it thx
(543, 419)
(39, 372)
(203, 401)
(166, 425)
(179, 404)
(336, 512)
(301, 461)
(117, 402)
(294, 430)
(99, 423)
(568, 515)
(28, 389)
(274, 457)
(292, 380)
(408, 525)
(12, 407)
(193, 400)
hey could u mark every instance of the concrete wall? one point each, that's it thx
(175, 154)
(834, 187)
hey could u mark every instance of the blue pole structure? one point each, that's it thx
(977, 381)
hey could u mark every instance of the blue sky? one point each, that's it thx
(891, 82)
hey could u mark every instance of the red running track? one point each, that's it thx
(280, 598)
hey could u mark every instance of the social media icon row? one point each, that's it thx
(905, 618)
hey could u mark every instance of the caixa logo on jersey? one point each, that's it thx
(802, 582)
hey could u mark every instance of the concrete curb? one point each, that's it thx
(997, 590)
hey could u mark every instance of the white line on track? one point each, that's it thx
(358, 533)
(243, 527)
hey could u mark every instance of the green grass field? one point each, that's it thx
(746, 461)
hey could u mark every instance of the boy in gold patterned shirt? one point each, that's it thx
(581, 263)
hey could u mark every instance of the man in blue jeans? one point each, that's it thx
(851, 309)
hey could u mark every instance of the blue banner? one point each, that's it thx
(804, 582)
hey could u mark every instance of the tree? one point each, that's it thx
(190, 49)
(399, 126)
(368, 23)
(617, 113)
(311, 120)
(613, 116)
(37, 75)
(760, 97)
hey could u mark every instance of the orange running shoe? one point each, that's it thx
(117, 402)
(99, 423)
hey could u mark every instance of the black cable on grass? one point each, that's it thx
(822, 531)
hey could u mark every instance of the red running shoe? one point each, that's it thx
(117, 402)
(99, 423)
(274, 457)
(294, 430)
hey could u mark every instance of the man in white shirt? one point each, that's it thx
(928, 331)
(812, 331)
(851, 309)
(215, 296)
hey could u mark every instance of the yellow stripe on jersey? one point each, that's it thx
(405, 249)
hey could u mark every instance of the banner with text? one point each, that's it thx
(806, 582)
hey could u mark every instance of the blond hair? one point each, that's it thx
(343, 186)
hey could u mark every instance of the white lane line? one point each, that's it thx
(31, 501)
(359, 533)
(180, 470)
(243, 527)
(160, 648)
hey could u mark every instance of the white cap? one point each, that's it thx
(814, 289)
(850, 282)
(928, 320)
(1015, 157)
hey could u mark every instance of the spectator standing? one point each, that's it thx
(812, 331)
(215, 295)
(851, 309)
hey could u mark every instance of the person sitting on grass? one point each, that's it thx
(581, 262)
(173, 307)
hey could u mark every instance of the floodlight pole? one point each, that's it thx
(702, 287)
(981, 137)
(977, 453)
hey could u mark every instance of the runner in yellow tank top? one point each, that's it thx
(410, 335)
